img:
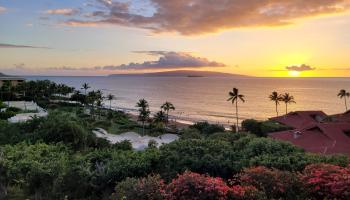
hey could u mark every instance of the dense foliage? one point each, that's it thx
(207, 129)
(58, 157)
(150, 187)
(262, 128)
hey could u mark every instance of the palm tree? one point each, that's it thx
(144, 112)
(287, 99)
(85, 87)
(275, 97)
(110, 98)
(344, 94)
(235, 96)
(167, 106)
(90, 99)
(160, 117)
(7, 87)
(94, 97)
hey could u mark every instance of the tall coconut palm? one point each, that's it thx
(235, 96)
(275, 97)
(344, 94)
(144, 112)
(85, 87)
(287, 99)
(167, 106)
(110, 98)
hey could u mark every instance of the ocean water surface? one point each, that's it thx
(205, 98)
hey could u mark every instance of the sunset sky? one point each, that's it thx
(273, 38)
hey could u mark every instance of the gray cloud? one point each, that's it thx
(3, 45)
(20, 66)
(167, 60)
(206, 16)
(300, 68)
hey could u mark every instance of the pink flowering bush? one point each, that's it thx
(196, 187)
(326, 181)
(275, 183)
(239, 192)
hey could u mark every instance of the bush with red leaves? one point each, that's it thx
(326, 181)
(196, 187)
(274, 183)
(239, 192)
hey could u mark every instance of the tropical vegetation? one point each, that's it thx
(59, 157)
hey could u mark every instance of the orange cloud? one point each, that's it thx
(207, 16)
(63, 11)
(2, 9)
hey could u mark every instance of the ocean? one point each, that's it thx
(205, 98)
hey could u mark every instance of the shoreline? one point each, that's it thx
(180, 124)
(173, 120)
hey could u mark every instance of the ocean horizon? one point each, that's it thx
(205, 98)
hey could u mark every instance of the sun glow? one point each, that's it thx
(294, 73)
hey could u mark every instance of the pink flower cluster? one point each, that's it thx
(316, 181)
(195, 186)
(327, 181)
(202, 187)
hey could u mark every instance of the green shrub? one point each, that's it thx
(6, 115)
(13, 109)
(228, 136)
(148, 188)
(214, 157)
(94, 175)
(251, 125)
(207, 129)
(262, 128)
(123, 145)
(64, 128)
(2, 105)
(190, 133)
(34, 168)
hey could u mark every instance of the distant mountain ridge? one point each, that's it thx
(181, 73)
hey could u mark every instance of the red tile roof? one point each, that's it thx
(299, 119)
(313, 134)
(344, 117)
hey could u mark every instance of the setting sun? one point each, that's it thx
(294, 73)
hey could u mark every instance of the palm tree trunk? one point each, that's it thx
(276, 109)
(286, 108)
(237, 115)
(167, 116)
(110, 104)
(346, 105)
(143, 127)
